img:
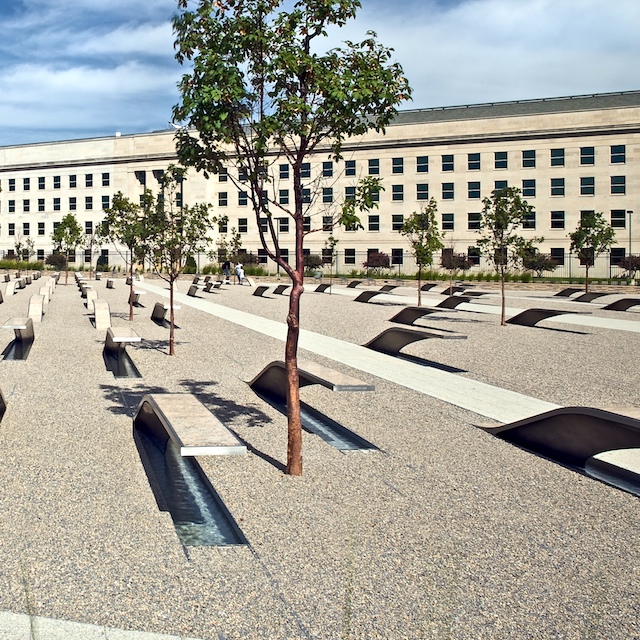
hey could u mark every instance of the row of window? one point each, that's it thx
(57, 182)
(57, 204)
(26, 228)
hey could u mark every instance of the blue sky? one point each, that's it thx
(94, 67)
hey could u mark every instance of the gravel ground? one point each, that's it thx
(446, 532)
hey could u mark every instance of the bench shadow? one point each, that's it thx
(423, 362)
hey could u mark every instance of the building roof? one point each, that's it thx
(591, 102)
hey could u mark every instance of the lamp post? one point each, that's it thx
(629, 213)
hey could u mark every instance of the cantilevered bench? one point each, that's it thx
(211, 285)
(388, 287)
(392, 340)
(365, 296)
(117, 339)
(452, 302)
(280, 289)
(409, 315)
(23, 328)
(36, 308)
(3, 405)
(353, 284)
(449, 291)
(566, 293)
(110, 283)
(158, 315)
(321, 288)
(260, 291)
(623, 304)
(193, 290)
(7, 277)
(101, 314)
(92, 295)
(426, 287)
(588, 297)
(272, 380)
(531, 317)
(578, 437)
(134, 297)
(189, 424)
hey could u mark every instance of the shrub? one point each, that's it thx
(57, 260)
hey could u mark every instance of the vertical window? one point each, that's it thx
(473, 190)
(529, 221)
(283, 196)
(73, 181)
(617, 255)
(12, 206)
(473, 161)
(447, 162)
(447, 190)
(26, 206)
(243, 225)
(618, 185)
(397, 192)
(618, 218)
(557, 255)
(618, 154)
(499, 185)
(12, 228)
(88, 180)
(12, 184)
(374, 167)
(327, 223)
(283, 225)
(557, 219)
(557, 186)
(40, 254)
(72, 256)
(529, 188)
(243, 198)
(557, 157)
(263, 224)
(587, 155)
(500, 160)
(305, 170)
(349, 256)
(223, 174)
(284, 254)
(223, 199)
(374, 223)
(41, 183)
(397, 222)
(72, 204)
(447, 221)
(26, 229)
(306, 223)
(327, 194)
(350, 168)
(422, 191)
(40, 204)
(284, 171)
(40, 228)
(26, 184)
(422, 164)
(88, 202)
(473, 255)
(397, 165)
(87, 255)
(529, 159)
(223, 225)
(56, 182)
(105, 180)
(349, 193)
(473, 221)
(105, 202)
(88, 227)
(306, 196)
(56, 204)
(587, 186)
(327, 169)
(397, 256)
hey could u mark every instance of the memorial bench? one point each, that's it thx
(158, 315)
(365, 296)
(117, 339)
(189, 424)
(3, 405)
(409, 315)
(36, 308)
(588, 297)
(388, 287)
(321, 288)
(392, 340)
(261, 290)
(92, 295)
(623, 304)
(531, 317)
(110, 283)
(569, 291)
(23, 328)
(10, 288)
(193, 290)
(280, 289)
(353, 284)
(101, 314)
(134, 297)
(452, 302)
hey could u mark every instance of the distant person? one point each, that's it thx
(239, 272)
(226, 267)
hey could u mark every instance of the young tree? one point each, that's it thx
(631, 264)
(454, 262)
(592, 236)
(533, 260)
(93, 242)
(260, 92)
(123, 225)
(424, 236)
(174, 232)
(67, 237)
(502, 217)
(329, 256)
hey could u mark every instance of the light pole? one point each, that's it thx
(629, 213)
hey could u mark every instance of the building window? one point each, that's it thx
(87, 255)
(397, 165)
(223, 175)
(263, 225)
(88, 180)
(374, 223)
(305, 170)
(557, 157)
(243, 198)
(306, 223)
(40, 228)
(306, 196)
(283, 196)
(499, 185)
(529, 159)
(26, 229)
(500, 160)
(105, 180)
(447, 162)
(40, 254)
(327, 169)
(262, 256)
(617, 255)
(105, 202)
(618, 185)
(557, 186)
(327, 223)
(587, 155)
(422, 164)
(12, 184)
(397, 222)
(397, 192)
(40, 204)
(284, 171)
(447, 190)
(529, 188)
(422, 191)
(243, 225)
(557, 219)
(223, 199)
(350, 168)
(557, 255)
(587, 186)
(73, 181)
(72, 256)
(88, 202)
(56, 204)
(473, 161)
(12, 228)
(397, 256)
(284, 254)
(529, 220)
(72, 203)
(26, 206)
(88, 227)
(56, 225)
(473, 190)
(26, 184)
(473, 221)
(473, 255)
(447, 221)
(264, 197)
(283, 225)
(618, 218)
(327, 194)
(41, 183)
(12, 206)
(223, 226)
(374, 167)
(56, 182)
(618, 154)
(349, 256)
(349, 193)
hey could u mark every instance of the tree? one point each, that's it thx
(123, 225)
(454, 262)
(93, 242)
(533, 260)
(67, 237)
(503, 214)
(174, 232)
(592, 236)
(424, 236)
(631, 264)
(260, 93)
(23, 248)
(329, 256)
(377, 261)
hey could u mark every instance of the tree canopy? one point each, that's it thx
(67, 237)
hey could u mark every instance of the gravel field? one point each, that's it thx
(445, 532)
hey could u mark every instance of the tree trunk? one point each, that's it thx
(131, 290)
(171, 319)
(502, 305)
(294, 444)
(586, 278)
(419, 285)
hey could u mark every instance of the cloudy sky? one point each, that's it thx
(81, 68)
